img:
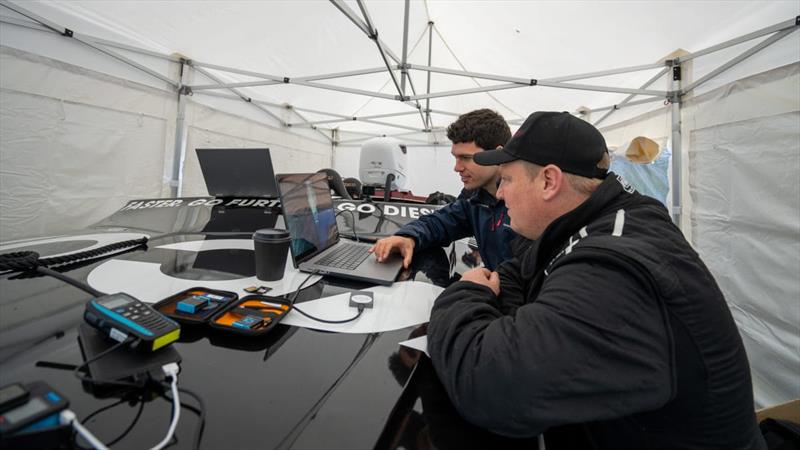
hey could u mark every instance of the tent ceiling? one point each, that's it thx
(517, 39)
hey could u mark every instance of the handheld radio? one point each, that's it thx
(120, 316)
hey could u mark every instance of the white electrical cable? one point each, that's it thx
(67, 417)
(171, 370)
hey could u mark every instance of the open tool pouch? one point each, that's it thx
(253, 315)
(196, 305)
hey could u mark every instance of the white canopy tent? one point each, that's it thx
(102, 102)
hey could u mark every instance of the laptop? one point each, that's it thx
(238, 172)
(316, 246)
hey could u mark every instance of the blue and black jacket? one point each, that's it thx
(474, 213)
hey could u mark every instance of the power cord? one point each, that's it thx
(77, 371)
(106, 408)
(201, 412)
(352, 227)
(171, 370)
(360, 311)
(294, 297)
(67, 417)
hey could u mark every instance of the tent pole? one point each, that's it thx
(242, 96)
(428, 123)
(416, 104)
(606, 72)
(628, 98)
(341, 6)
(791, 23)
(71, 34)
(496, 87)
(403, 69)
(677, 203)
(303, 118)
(373, 34)
(767, 42)
(179, 152)
(354, 118)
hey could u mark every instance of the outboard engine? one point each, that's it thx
(383, 163)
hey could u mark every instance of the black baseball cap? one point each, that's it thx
(549, 137)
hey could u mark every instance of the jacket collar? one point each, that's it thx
(561, 229)
(481, 197)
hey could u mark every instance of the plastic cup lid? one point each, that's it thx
(271, 235)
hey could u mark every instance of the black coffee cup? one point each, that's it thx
(271, 247)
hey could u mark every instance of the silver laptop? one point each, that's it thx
(238, 172)
(316, 247)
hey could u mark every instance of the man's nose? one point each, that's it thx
(500, 192)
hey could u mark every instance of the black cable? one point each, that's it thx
(71, 266)
(201, 412)
(387, 188)
(105, 352)
(105, 408)
(352, 227)
(299, 288)
(294, 297)
(96, 412)
(360, 311)
(64, 259)
(69, 280)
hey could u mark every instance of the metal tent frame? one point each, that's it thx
(399, 69)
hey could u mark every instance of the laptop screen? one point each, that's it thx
(238, 172)
(308, 213)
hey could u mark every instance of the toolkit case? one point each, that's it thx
(251, 315)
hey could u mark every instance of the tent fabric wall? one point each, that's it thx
(74, 145)
(750, 238)
(741, 142)
(77, 144)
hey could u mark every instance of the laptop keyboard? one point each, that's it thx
(347, 256)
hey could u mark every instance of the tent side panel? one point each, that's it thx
(74, 144)
(744, 167)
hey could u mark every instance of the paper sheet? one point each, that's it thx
(400, 305)
(418, 343)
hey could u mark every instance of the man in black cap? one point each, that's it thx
(607, 331)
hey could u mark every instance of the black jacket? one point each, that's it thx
(474, 213)
(609, 326)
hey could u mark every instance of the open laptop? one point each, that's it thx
(315, 246)
(238, 172)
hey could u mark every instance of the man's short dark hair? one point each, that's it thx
(485, 127)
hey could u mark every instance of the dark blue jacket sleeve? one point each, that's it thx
(440, 227)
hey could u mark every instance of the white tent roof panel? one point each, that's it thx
(518, 39)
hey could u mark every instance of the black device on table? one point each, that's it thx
(122, 317)
(33, 405)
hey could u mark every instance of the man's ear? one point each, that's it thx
(554, 180)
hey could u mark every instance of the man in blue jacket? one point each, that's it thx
(476, 212)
